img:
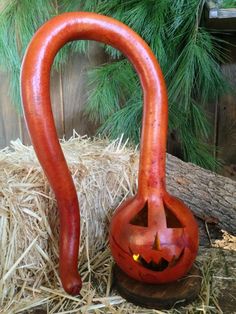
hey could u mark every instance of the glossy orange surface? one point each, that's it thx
(153, 236)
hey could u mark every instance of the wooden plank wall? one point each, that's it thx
(68, 94)
(226, 115)
(10, 122)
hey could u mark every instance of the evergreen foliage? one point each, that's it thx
(189, 57)
(227, 4)
(19, 20)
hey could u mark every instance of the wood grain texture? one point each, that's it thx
(25, 138)
(75, 90)
(69, 91)
(226, 115)
(74, 95)
(227, 118)
(210, 196)
(164, 296)
(57, 108)
(57, 97)
(9, 118)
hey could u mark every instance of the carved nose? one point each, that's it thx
(156, 244)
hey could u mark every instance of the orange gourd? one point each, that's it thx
(153, 236)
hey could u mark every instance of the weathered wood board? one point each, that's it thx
(69, 92)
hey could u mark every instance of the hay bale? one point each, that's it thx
(104, 173)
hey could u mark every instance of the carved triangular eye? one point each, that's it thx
(141, 219)
(171, 220)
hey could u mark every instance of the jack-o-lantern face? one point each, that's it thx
(154, 240)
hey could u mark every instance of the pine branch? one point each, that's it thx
(130, 128)
(110, 86)
(227, 4)
(189, 58)
(19, 20)
(17, 26)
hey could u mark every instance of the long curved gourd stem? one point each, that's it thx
(35, 89)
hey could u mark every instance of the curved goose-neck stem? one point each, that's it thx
(35, 89)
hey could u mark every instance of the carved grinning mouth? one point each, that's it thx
(161, 265)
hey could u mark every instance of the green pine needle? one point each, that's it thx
(19, 20)
(188, 54)
(131, 115)
(228, 4)
(189, 57)
(109, 86)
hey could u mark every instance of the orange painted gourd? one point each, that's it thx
(153, 236)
